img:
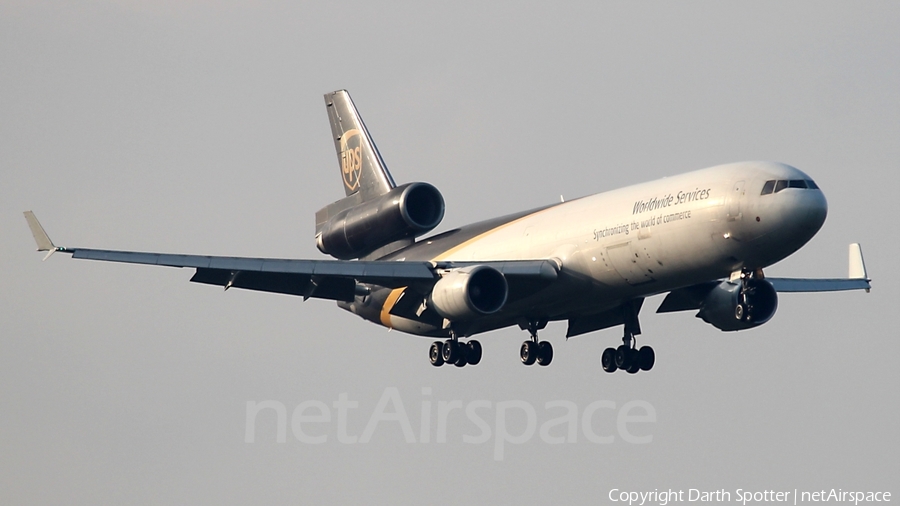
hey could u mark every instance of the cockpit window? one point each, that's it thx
(775, 186)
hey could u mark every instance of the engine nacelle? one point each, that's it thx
(469, 292)
(405, 212)
(724, 309)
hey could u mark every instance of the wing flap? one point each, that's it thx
(687, 298)
(603, 320)
(289, 284)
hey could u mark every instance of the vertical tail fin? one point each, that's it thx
(362, 168)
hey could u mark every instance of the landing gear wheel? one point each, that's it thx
(473, 352)
(608, 360)
(462, 359)
(635, 360)
(435, 354)
(646, 357)
(623, 357)
(450, 351)
(545, 353)
(528, 352)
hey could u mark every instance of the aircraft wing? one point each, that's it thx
(691, 297)
(818, 285)
(324, 279)
(857, 278)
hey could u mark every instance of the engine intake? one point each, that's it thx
(405, 212)
(724, 308)
(469, 292)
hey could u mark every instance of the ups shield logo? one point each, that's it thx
(351, 158)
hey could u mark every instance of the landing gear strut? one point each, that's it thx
(628, 356)
(534, 350)
(744, 310)
(454, 352)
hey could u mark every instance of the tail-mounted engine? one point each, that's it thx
(738, 306)
(469, 292)
(405, 212)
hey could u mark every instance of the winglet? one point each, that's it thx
(40, 236)
(857, 265)
(857, 269)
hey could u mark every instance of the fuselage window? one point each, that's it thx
(769, 187)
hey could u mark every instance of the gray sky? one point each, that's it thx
(199, 127)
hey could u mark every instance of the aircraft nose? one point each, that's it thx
(818, 209)
(809, 209)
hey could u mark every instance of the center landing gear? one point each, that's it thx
(533, 350)
(454, 352)
(628, 356)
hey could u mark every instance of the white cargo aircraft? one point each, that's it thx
(703, 237)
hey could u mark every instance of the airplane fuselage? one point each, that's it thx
(627, 243)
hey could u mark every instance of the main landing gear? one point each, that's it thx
(743, 311)
(454, 352)
(533, 350)
(628, 356)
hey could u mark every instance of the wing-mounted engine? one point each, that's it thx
(347, 229)
(469, 292)
(738, 306)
